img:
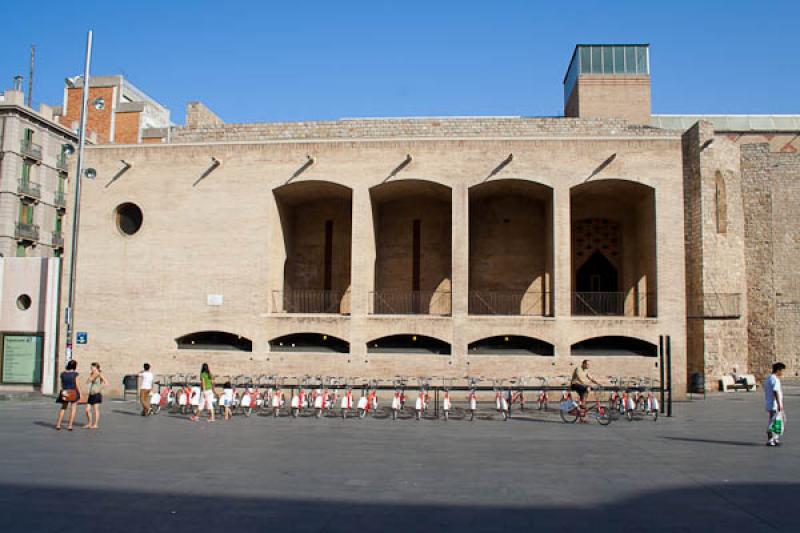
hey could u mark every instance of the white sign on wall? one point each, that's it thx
(214, 299)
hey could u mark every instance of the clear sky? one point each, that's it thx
(305, 60)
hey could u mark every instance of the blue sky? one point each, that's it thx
(306, 60)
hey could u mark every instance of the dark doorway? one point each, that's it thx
(597, 274)
(597, 288)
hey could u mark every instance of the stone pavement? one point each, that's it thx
(706, 469)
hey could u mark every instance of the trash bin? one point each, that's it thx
(697, 382)
(129, 384)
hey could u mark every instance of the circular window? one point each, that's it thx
(129, 218)
(24, 302)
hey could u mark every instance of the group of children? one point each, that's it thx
(320, 400)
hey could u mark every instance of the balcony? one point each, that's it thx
(310, 301)
(410, 303)
(29, 189)
(31, 150)
(61, 163)
(26, 232)
(712, 305)
(627, 304)
(60, 200)
(515, 303)
(57, 239)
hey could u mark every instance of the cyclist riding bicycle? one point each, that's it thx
(581, 383)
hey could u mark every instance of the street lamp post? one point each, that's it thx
(69, 312)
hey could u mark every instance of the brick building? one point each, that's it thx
(119, 112)
(485, 246)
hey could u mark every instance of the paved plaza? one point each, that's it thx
(706, 469)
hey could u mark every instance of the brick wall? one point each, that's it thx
(99, 121)
(126, 130)
(415, 127)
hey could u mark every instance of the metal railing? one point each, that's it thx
(61, 162)
(26, 232)
(715, 305)
(613, 304)
(310, 301)
(58, 239)
(30, 149)
(391, 302)
(29, 188)
(60, 199)
(529, 303)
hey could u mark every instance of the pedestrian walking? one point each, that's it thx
(227, 399)
(207, 391)
(96, 381)
(69, 395)
(145, 386)
(773, 402)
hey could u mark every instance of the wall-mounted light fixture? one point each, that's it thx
(310, 160)
(407, 161)
(125, 167)
(215, 163)
(610, 159)
(503, 164)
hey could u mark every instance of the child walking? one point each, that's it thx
(227, 399)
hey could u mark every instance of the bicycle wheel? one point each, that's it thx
(569, 416)
(603, 417)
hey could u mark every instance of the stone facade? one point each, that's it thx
(230, 211)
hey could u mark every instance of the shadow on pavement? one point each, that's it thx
(712, 441)
(728, 507)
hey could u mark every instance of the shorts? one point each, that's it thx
(208, 400)
(95, 399)
(580, 389)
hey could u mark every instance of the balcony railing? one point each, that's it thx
(61, 163)
(613, 304)
(60, 199)
(31, 150)
(715, 305)
(310, 301)
(410, 302)
(30, 189)
(27, 232)
(58, 239)
(526, 303)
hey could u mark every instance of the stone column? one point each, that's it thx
(460, 276)
(362, 276)
(562, 265)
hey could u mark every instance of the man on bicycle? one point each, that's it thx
(581, 383)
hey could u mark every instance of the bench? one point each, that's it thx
(745, 382)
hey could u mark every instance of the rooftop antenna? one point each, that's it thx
(30, 76)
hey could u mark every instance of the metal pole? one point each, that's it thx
(662, 385)
(30, 76)
(69, 312)
(669, 374)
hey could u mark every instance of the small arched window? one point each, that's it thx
(214, 341)
(721, 203)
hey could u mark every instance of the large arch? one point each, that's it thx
(613, 249)
(309, 342)
(316, 224)
(511, 345)
(510, 248)
(412, 221)
(214, 341)
(614, 345)
(409, 343)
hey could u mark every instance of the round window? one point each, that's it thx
(24, 302)
(129, 218)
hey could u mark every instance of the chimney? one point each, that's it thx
(609, 81)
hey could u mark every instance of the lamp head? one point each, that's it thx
(68, 148)
(90, 173)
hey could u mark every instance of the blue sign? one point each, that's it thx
(81, 337)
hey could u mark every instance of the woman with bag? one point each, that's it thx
(96, 381)
(69, 395)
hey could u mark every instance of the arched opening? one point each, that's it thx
(316, 219)
(309, 342)
(614, 345)
(613, 249)
(409, 344)
(412, 220)
(510, 248)
(214, 341)
(511, 345)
